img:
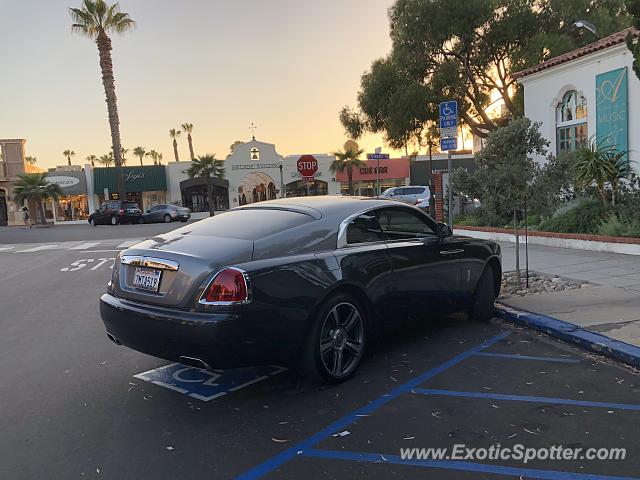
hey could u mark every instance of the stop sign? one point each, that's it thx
(307, 166)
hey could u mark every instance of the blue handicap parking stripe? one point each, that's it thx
(529, 357)
(290, 453)
(457, 465)
(206, 385)
(527, 398)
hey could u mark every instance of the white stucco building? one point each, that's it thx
(257, 172)
(591, 92)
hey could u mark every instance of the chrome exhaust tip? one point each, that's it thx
(113, 339)
(194, 362)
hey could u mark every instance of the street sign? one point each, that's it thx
(449, 132)
(307, 166)
(448, 143)
(449, 114)
(377, 156)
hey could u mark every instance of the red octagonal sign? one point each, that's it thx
(307, 166)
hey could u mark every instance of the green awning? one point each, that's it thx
(136, 179)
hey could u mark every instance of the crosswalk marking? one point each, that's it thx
(38, 248)
(128, 243)
(85, 246)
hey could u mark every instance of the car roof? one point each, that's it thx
(325, 206)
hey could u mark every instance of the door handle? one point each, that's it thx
(451, 252)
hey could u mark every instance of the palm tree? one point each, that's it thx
(106, 159)
(159, 158)
(207, 166)
(96, 19)
(35, 188)
(139, 152)
(188, 128)
(123, 152)
(69, 154)
(347, 160)
(154, 156)
(31, 160)
(173, 133)
(92, 159)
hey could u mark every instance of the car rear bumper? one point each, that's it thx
(221, 340)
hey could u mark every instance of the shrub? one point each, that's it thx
(582, 216)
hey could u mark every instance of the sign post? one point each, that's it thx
(378, 156)
(448, 142)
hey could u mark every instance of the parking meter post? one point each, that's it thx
(449, 191)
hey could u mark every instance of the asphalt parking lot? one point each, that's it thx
(74, 405)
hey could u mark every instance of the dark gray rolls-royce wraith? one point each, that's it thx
(302, 282)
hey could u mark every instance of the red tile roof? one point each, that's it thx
(602, 44)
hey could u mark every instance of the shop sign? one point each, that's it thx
(132, 176)
(255, 166)
(63, 181)
(611, 109)
(373, 170)
(71, 183)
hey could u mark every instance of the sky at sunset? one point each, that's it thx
(286, 65)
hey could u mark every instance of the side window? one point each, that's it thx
(103, 207)
(364, 229)
(112, 205)
(156, 208)
(400, 191)
(403, 223)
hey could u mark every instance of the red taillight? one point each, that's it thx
(121, 211)
(229, 285)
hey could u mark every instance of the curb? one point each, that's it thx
(592, 341)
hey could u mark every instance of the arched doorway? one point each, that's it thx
(256, 187)
(4, 218)
(302, 189)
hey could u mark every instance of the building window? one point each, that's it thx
(571, 122)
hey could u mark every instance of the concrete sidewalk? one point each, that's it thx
(611, 307)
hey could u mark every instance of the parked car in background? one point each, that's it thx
(409, 194)
(303, 282)
(423, 204)
(115, 212)
(166, 213)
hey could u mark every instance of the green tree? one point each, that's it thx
(31, 160)
(96, 19)
(347, 160)
(234, 145)
(139, 152)
(207, 166)
(35, 188)
(92, 159)
(506, 172)
(633, 6)
(188, 128)
(123, 153)
(68, 154)
(159, 158)
(154, 156)
(174, 134)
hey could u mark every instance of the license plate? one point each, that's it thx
(147, 279)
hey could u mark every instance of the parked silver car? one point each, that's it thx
(409, 194)
(166, 213)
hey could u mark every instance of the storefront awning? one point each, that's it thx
(149, 178)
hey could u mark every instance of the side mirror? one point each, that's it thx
(443, 230)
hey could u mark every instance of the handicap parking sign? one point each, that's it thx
(206, 385)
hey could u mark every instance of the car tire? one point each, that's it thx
(335, 346)
(140, 220)
(167, 218)
(92, 222)
(484, 297)
(114, 221)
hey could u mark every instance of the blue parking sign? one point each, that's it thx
(449, 114)
(448, 143)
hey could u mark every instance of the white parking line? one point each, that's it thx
(84, 246)
(38, 248)
(128, 243)
(4, 249)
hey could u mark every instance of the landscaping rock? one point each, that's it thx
(538, 283)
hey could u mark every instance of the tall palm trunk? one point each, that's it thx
(141, 160)
(212, 207)
(190, 146)
(69, 160)
(350, 177)
(106, 66)
(175, 149)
